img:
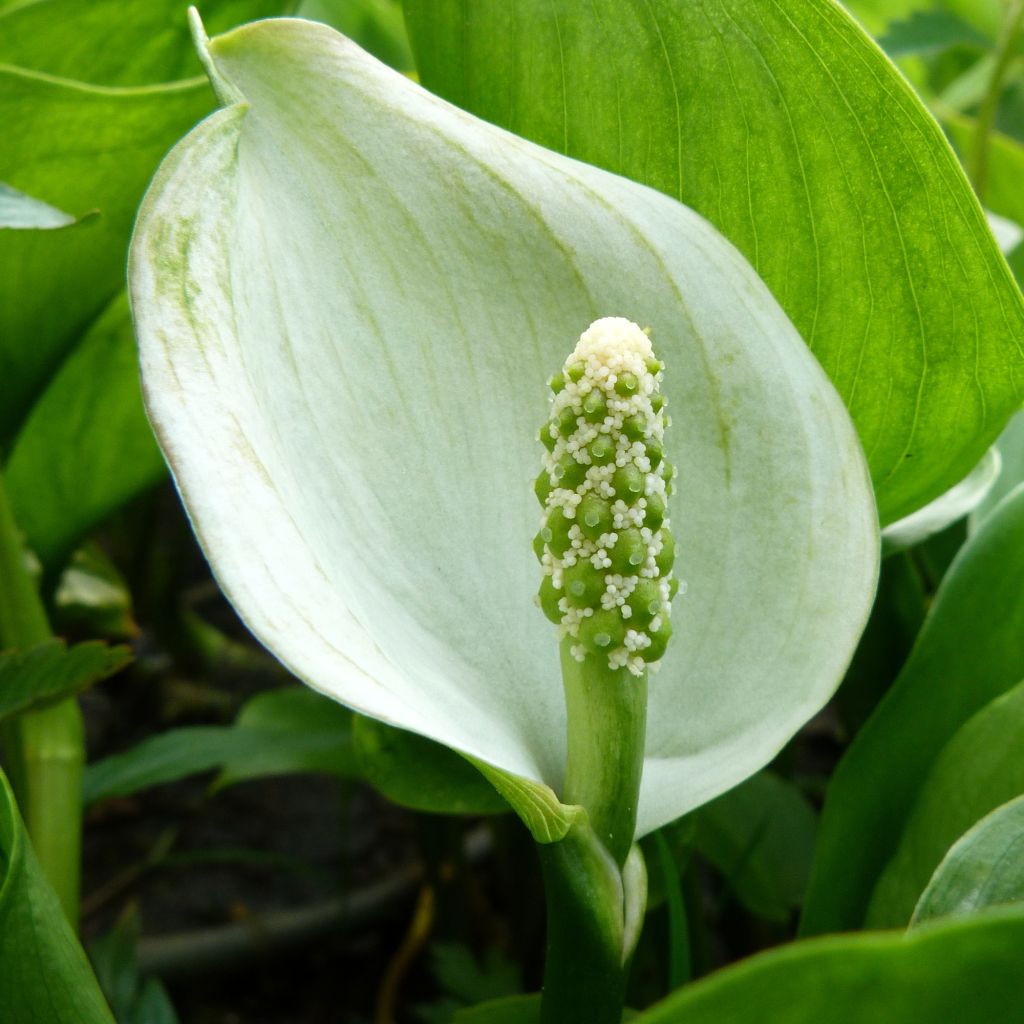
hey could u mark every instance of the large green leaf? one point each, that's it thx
(968, 653)
(964, 970)
(789, 130)
(52, 670)
(81, 148)
(86, 446)
(980, 768)
(44, 975)
(983, 868)
(348, 295)
(115, 42)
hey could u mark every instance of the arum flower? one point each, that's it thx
(348, 295)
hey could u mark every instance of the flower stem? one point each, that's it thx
(46, 749)
(607, 714)
(595, 889)
(584, 973)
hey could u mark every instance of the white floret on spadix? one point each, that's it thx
(605, 544)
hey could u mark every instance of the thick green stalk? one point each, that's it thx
(584, 971)
(46, 749)
(595, 890)
(607, 716)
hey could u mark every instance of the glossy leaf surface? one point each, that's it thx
(960, 970)
(52, 671)
(44, 975)
(983, 868)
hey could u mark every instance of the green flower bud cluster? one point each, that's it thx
(604, 542)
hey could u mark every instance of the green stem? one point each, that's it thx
(1005, 53)
(584, 973)
(594, 879)
(607, 715)
(46, 749)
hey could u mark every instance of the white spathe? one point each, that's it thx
(349, 295)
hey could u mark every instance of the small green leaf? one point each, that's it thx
(167, 757)
(92, 597)
(44, 975)
(302, 731)
(19, 212)
(510, 1010)
(979, 768)
(968, 653)
(983, 868)
(281, 732)
(760, 836)
(961, 970)
(786, 127)
(133, 999)
(930, 31)
(52, 671)
(547, 819)
(89, 430)
(416, 772)
(470, 979)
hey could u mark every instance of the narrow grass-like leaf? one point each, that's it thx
(983, 868)
(790, 131)
(968, 653)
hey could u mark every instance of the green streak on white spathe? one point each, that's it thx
(347, 295)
